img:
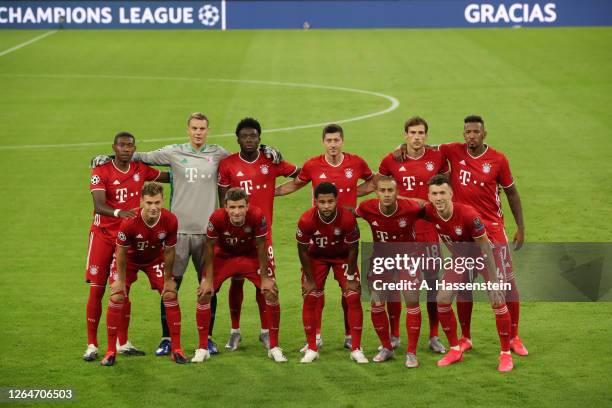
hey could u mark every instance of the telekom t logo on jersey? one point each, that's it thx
(321, 241)
(121, 194)
(464, 177)
(409, 181)
(382, 236)
(191, 174)
(247, 186)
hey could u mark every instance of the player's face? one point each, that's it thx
(474, 134)
(333, 143)
(416, 137)
(440, 196)
(152, 205)
(386, 192)
(236, 210)
(326, 204)
(198, 130)
(248, 139)
(124, 148)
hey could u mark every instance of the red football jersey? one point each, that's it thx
(463, 226)
(122, 189)
(477, 180)
(327, 239)
(412, 175)
(344, 176)
(237, 240)
(146, 243)
(257, 178)
(397, 227)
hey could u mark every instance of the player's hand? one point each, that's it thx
(519, 239)
(100, 160)
(269, 285)
(205, 288)
(354, 286)
(118, 286)
(169, 286)
(271, 153)
(308, 286)
(497, 297)
(401, 153)
(127, 213)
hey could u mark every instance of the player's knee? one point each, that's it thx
(411, 304)
(169, 296)
(270, 297)
(377, 304)
(444, 297)
(204, 299)
(117, 297)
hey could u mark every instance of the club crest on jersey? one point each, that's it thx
(93, 269)
(402, 223)
(136, 177)
(121, 236)
(337, 231)
(429, 166)
(348, 173)
(211, 227)
(486, 168)
(161, 235)
(264, 169)
(95, 179)
(458, 230)
(247, 229)
(299, 233)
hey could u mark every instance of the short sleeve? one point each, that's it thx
(504, 177)
(384, 168)
(171, 238)
(261, 225)
(98, 179)
(366, 172)
(359, 210)
(303, 234)
(151, 174)
(214, 226)
(305, 174)
(444, 168)
(351, 230)
(474, 224)
(444, 148)
(124, 236)
(286, 169)
(224, 174)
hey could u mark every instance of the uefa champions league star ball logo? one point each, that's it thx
(95, 179)
(209, 15)
(121, 236)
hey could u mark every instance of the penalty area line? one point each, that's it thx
(33, 40)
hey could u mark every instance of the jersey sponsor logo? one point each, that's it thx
(162, 235)
(239, 174)
(321, 241)
(464, 177)
(264, 169)
(121, 236)
(402, 168)
(247, 186)
(429, 166)
(337, 231)
(95, 179)
(322, 176)
(211, 227)
(486, 168)
(348, 173)
(402, 222)
(231, 240)
(116, 182)
(121, 194)
(191, 174)
(458, 230)
(382, 236)
(409, 182)
(93, 270)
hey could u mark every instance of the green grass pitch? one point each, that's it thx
(546, 97)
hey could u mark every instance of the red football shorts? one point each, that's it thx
(237, 266)
(154, 271)
(426, 233)
(320, 269)
(100, 252)
(501, 250)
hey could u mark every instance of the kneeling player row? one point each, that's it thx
(237, 245)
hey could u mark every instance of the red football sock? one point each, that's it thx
(309, 318)
(355, 317)
(94, 311)
(464, 312)
(502, 321)
(122, 333)
(413, 327)
(381, 325)
(261, 304)
(347, 326)
(432, 314)
(173, 317)
(272, 313)
(203, 322)
(395, 313)
(514, 306)
(236, 294)
(319, 311)
(448, 322)
(113, 321)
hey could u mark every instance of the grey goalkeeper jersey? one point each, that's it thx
(194, 181)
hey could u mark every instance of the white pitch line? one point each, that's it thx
(18, 46)
(394, 105)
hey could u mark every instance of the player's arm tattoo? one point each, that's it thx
(514, 200)
(289, 187)
(169, 254)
